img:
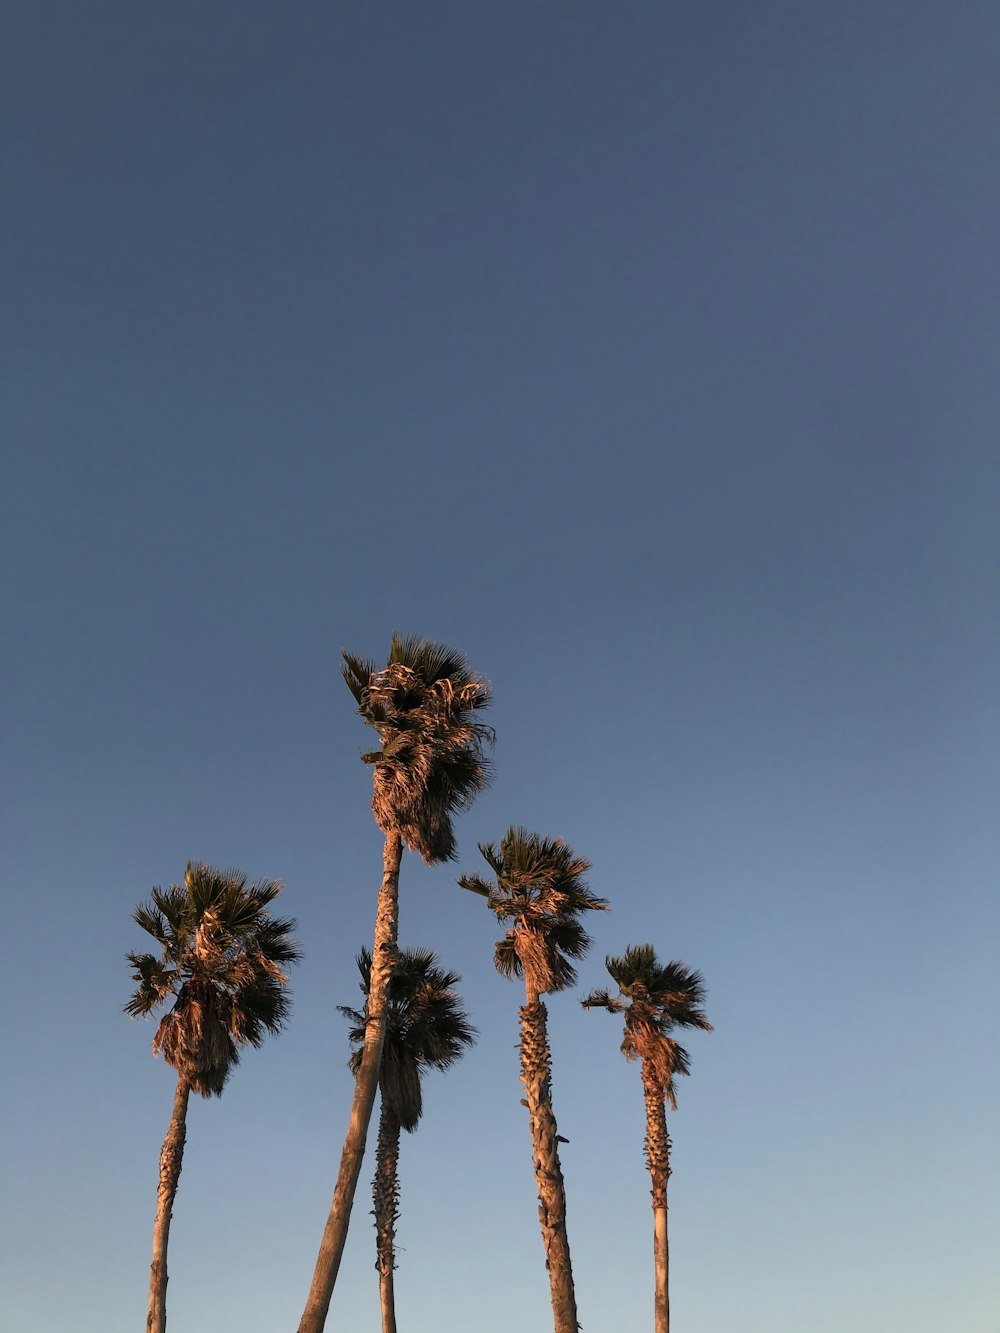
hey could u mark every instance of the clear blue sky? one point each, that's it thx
(648, 353)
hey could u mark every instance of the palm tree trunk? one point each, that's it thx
(171, 1156)
(331, 1248)
(536, 1077)
(658, 1161)
(385, 1196)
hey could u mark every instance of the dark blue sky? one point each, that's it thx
(649, 354)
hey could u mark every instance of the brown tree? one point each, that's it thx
(539, 888)
(222, 959)
(426, 1028)
(431, 764)
(655, 999)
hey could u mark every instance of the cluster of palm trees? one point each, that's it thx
(223, 959)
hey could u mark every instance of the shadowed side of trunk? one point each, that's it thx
(335, 1233)
(385, 1196)
(658, 1161)
(536, 1077)
(171, 1157)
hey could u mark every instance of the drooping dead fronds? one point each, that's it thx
(193, 1038)
(432, 761)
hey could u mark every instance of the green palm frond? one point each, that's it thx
(569, 937)
(431, 660)
(357, 673)
(603, 999)
(426, 1028)
(475, 884)
(223, 964)
(156, 981)
(153, 922)
(638, 963)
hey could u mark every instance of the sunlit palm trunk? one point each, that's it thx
(385, 1196)
(171, 1157)
(658, 1161)
(331, 1248)
(536, 1077)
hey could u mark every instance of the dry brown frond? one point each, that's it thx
(535, 956)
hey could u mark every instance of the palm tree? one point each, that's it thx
(431, 764)
(426, 1028)
(221, 961)
(539, 888)
(655, 999)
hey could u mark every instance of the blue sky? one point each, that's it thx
(647, 353)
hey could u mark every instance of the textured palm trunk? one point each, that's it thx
(658, 1162)
(331, 1248)
(385, 1196)
(171, 1157)
(536, 1077)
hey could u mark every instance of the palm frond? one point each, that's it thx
(539, 885)
(433, 661)
(153, 922)
(426, 1028)
(432, 762)
(603, 999)
(222, 963)
(655, 999)
(475, 884)
(156, 981)
(568, 936)
(505, 957)
(357, 674)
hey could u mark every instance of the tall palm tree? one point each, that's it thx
(656, 999)
(426, 1028)
(221, 960)
(430, 765)
(539, 888)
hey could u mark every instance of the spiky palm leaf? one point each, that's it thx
(432, 760)
(539, 886)
(426, 1028)
(222, 959)
(656, 998)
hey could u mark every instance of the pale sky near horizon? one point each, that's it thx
(648, 353)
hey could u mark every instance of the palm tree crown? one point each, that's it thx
(432, 761)
(540, 887)
(221, 959)
(426, 1028)
(655, 998)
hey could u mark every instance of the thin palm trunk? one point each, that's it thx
(171, 1157)
(658, 1162)
(536, 1077)
(331, 1248)
(385, 1196)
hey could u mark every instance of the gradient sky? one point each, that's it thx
(647, 352)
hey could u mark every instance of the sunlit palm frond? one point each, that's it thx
(223, 963)
(602, 999)
(655, 999)
(432, 762)
(540, 887)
